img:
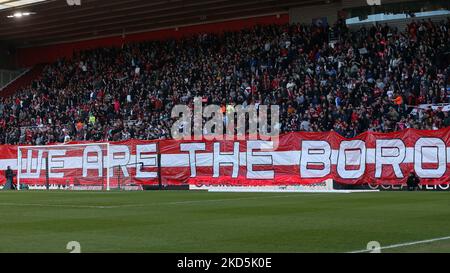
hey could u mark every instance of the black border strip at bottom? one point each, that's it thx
(242, 262)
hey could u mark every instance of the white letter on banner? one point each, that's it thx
(55, 163)
(192, 148)
(389, 152)
(430, 150)
(92, 162)
(29, 166)
(148, 160)
(316, 152)
(119, 156)
(260, 159)
(226, 159)
(351, 153)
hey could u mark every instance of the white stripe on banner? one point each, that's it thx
(8, 162)
(280, 158)
(283, 158)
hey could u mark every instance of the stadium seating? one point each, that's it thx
(370, 79)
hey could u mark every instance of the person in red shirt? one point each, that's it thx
(116, 105)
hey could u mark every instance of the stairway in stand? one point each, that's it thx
(22, 81)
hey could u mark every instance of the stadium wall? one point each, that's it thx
(7, 57)
(306, 15)
(27, 57)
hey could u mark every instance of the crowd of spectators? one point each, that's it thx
(368, 79)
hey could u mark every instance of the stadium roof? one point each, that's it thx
(54, 21)
(7, 4)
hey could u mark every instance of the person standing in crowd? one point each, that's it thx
(9, 175)
(413, 181)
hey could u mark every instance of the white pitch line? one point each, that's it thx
(404, 244)
(152, 204)
(232, 199)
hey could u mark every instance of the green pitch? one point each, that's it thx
(182, 221)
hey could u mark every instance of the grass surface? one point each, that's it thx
(186, 221)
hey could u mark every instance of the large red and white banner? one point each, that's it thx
(299, 158)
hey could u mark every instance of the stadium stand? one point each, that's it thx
(370, 79)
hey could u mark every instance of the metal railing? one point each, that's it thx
(9, 76)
